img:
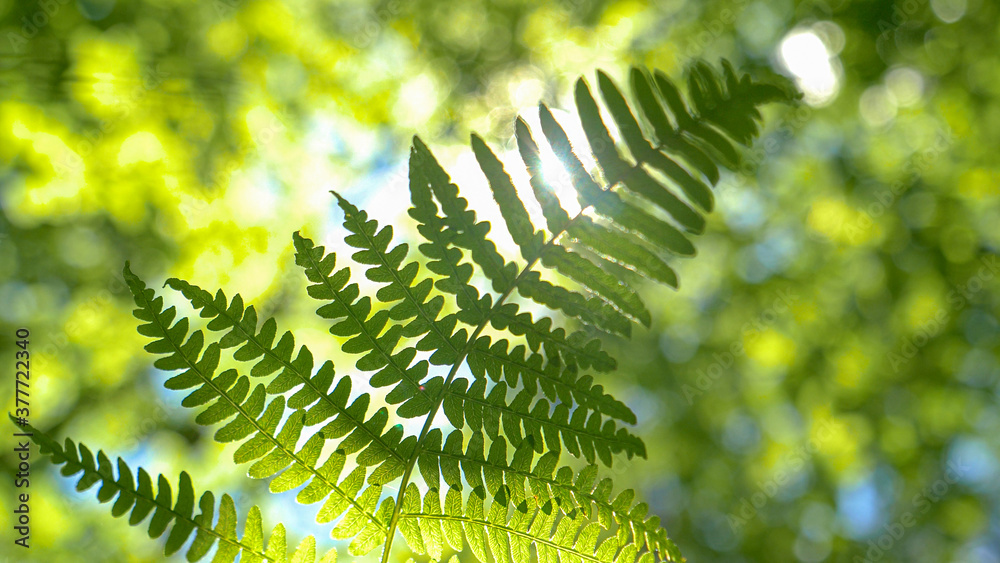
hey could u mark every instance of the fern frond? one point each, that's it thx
(428, 177)
(137, 497)
(460, 222)
(498, 468)
(576, 347)
(697, 130)
(628, 235)
(353, 319)
(519, 484)
(669, 138)
(512, 208)
(242, 326)
(642, 150)
(255, 422)
(445, 257)
(578, 268)
(333, 409)
(617, 170)
(331, 286)
(439, 335)
(534, 417)
(730, 101)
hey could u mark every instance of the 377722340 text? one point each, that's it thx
(22, 448)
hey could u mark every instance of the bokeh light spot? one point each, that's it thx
(804, 54)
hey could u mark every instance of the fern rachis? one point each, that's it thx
(503, 489)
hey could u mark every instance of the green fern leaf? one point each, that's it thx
(668, 137)
(616, 245)
(439, 334)
(643, 151)
(493, 483)
(585, 272)
(511, 207)
(445, 257)
(468, 233)
(591, 310)
(254, 421)
(555, 216)
(576, 347)
(616, 169)
(353, 319)
(558, 381)
(699, 131)
(177, 516)
(608, 203)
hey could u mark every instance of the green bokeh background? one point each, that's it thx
(833, 349)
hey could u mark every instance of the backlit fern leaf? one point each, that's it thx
(255, 421)
(137, 497)
(514, 388)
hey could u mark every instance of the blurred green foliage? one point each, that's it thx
(824, 385)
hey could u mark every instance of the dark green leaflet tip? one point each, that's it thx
(350, 210)
(643, 151)
(418, 144)
(651, 107)
(505, 194)
(670, 139)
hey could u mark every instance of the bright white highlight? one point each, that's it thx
(805, 56)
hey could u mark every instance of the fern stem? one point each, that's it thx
(391, 530)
